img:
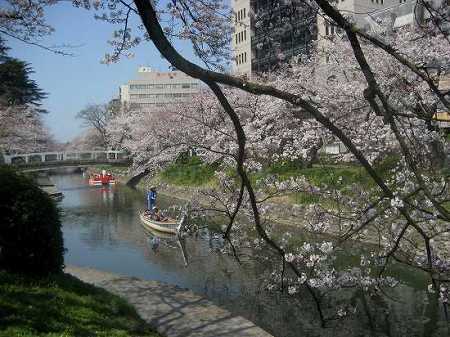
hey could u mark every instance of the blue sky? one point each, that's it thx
(73, 82)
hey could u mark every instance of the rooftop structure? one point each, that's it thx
(367, 14)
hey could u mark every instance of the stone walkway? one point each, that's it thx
(171, 310)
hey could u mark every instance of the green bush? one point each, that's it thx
(189, 171)
(31, 240)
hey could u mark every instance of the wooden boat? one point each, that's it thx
(170, 225)
(168, 237)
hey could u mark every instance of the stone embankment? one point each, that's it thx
(171, 310)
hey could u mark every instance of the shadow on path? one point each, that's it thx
(171, 310)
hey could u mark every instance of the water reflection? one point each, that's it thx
(102, 230)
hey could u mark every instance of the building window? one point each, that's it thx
(245, 34)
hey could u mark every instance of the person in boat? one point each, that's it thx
(151, 199)
(157, 215)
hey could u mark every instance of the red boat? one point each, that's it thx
(102, 179)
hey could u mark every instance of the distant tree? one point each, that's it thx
(16, 86)
(96, 116)
(22, 130)
(88, 140)
(3, 50)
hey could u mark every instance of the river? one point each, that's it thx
(102, 230)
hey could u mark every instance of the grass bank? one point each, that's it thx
(189, 171)
(192, 172)
(62, 305)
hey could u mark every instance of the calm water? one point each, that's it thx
(102, 230)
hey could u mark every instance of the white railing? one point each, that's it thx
(66, 156)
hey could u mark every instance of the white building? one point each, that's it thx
(241, 42)
(151, 89)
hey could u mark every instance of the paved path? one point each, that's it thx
(171, 310)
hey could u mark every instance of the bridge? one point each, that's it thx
(66, 158)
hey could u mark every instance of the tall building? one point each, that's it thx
(241, 41)
(151, 89)
(267, 32)
(265, 35)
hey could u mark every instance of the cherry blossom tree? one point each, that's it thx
(25, 21)
(22, 130)
(378, 94)
(88, 140)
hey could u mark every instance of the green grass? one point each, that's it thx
(330, 175)
(334, 175)
(62, 305)
(189, 171)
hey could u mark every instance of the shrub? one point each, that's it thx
(31, 240)
(189, 171)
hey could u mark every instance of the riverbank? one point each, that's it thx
(183, 180)
(62, 305)
(184, 183)
(171, 310)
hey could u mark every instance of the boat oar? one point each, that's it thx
(183, 250)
